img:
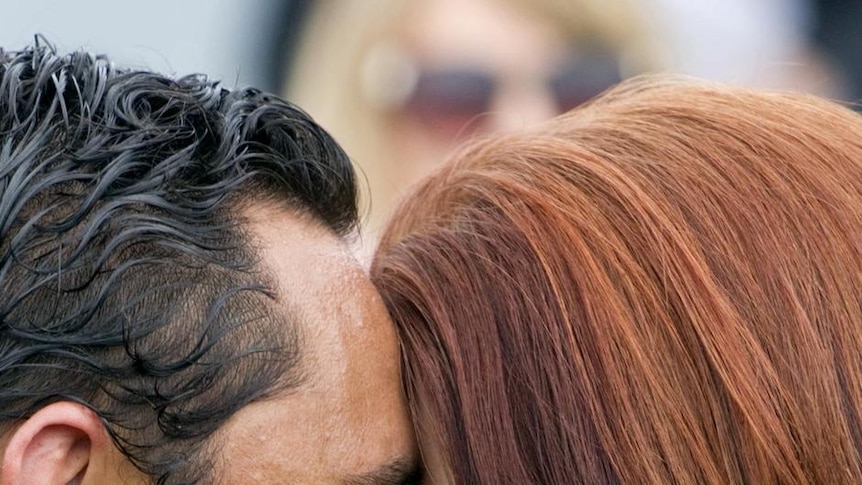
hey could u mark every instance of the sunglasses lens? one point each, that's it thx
(577, 83)
(451, 99)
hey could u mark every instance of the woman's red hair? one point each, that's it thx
(664, 286)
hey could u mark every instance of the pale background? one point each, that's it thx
(217, 37)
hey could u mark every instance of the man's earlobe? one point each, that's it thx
(55, 446)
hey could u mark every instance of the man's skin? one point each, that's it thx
(346, 423)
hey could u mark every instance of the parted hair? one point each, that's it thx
(662, 286)
(129, 283)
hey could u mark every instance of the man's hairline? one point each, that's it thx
(245, 211)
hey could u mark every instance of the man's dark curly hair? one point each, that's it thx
(128, 282)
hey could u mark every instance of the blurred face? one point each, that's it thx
(347, 423)
(482, 66)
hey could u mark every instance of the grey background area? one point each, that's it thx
(249, 42)
(226, 39)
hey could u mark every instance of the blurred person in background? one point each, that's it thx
(400, 83)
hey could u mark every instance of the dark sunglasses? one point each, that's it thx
(460, 95)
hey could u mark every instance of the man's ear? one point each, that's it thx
(55, 446)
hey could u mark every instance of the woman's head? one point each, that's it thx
(659, 287)
(401, 82)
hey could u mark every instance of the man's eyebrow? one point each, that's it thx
(396, 472)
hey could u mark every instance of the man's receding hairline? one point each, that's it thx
(251, 213)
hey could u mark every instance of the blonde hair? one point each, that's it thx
(660, 287)
(327, 75)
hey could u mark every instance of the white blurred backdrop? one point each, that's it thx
(171, 36)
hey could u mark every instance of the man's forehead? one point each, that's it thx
(317, 279)
(306, 261)
(285, 441)
(347, 421)
(275, 229)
